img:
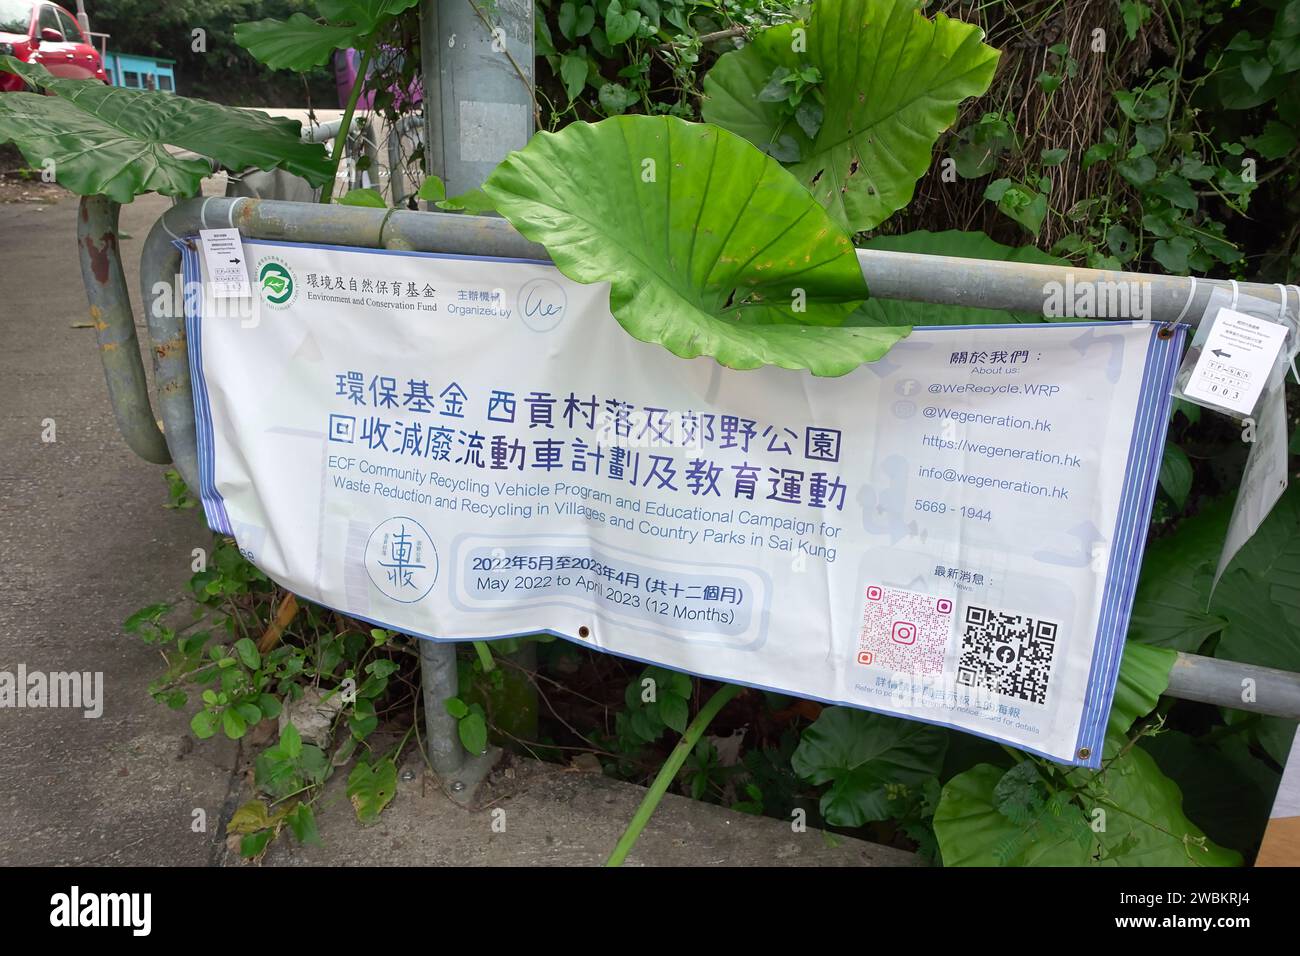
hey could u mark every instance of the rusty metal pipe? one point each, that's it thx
(114, 320)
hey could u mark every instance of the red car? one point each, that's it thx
(44, 33)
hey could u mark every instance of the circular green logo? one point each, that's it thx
(275, 279)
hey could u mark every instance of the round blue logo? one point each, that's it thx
(401, 559)
(541, 304)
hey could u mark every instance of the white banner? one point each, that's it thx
(464, 448)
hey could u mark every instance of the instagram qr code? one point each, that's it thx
(904, 630)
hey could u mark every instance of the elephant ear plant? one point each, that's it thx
(106, 141)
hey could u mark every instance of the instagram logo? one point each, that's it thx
(903, 633)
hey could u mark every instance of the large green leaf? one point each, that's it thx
(1273, 554)
(891, 83)
(298, 44)
(1170, 609)
(859, 754)
(301, 43)
(952, 242)
(989, 816)
(1257, 629)
(1143, 677)
(1225, 789)
(365, 14)
(709, 246)
(105, 140)
(1144, 822)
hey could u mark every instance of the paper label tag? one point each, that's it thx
(223, 254)
(1235, 361)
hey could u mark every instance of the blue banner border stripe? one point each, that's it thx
(214, 506)
(1129, 538)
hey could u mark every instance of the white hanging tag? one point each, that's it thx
(223, 254)
(1236, 358)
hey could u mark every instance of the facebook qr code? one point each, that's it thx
(904, 630)
(1008, 654)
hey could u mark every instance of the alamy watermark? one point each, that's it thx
(1122, 299)
(80, 690)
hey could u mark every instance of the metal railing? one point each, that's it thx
(936, 279)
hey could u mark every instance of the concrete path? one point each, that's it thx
(85, 541)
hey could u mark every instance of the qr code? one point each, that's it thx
(904, 630)
(1008, 654)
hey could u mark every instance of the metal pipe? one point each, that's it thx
(947, 280)
(477, 66)
(438, 680)
(321, 132)
(1260, 690)
(114, 319)
(1023, 286)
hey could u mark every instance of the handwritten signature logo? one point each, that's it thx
(542, 304)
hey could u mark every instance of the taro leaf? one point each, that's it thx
(372, 788)
(1176, 474)
(301, 43)
(1171, 607)
(1257, 629)
(1143, 677)
(973, 832)
(105, 140)
(859, 753)
(1225, 789)
(298, 44)
(365, 14)
(891, 82)
(1273, 553)
(953, 242)
(709, 246)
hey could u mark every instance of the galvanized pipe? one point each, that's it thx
(1023, 287)
(438, 680)
(1260, 690)
(114, 319)
(947, 280)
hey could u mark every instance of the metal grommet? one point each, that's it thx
(1165, 332)
(1085, 753)
(584, 631)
